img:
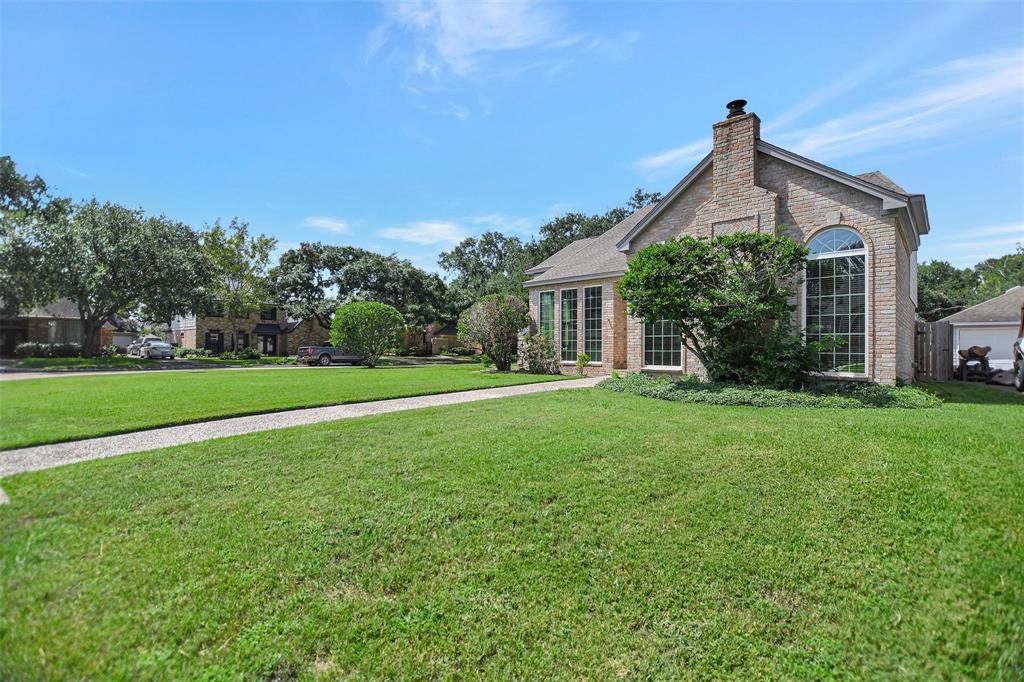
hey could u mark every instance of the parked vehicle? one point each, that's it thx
(325, 355)
(135, 346)
(156, 349)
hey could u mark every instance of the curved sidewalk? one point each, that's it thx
(57, 454)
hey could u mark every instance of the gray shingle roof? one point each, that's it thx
(1002, 308)
(594, 256)
(559, 255)
(882, 180)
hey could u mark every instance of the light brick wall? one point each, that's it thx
(613, 319)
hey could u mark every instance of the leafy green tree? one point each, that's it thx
(996, 275)
(241, 261)
(306, 280)
(730, 298)
(489, 264)
(416, 294)
(367, 329)
(110, 260)
(494, 322)
(26, 211)
(943, 289)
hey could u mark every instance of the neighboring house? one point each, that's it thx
(993, 323)
(442, 337)
(861, 285)
(58, 322)
(269, 330)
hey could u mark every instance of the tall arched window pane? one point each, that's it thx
(835, 304)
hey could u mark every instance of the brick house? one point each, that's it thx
(57, 322)
(268, 330)
(861, 280)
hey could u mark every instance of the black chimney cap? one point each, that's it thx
(735, 107)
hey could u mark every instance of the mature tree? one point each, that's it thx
(110, 260)
(943, 289)
(489, 264)
(366, 329)
(240, 285)
(305, 279)
(494, 322)
(418, 295)
(26, 209)
(729, 297)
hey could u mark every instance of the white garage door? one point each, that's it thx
(1000, 338)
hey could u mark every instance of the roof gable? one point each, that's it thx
(1003, 308)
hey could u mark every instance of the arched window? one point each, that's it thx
(835, 302)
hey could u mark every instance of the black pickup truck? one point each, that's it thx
(325, 355)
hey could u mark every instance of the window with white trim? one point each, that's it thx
(663, 347)
(547, 314)
(569, 301)
(835, 302)
(592, 323)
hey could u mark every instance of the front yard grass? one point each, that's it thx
(36, 411)
(116, 361)
(580, 534)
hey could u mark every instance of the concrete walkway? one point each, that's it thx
(58, 454)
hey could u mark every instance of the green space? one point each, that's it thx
(577, 534)
(75, 363)
(50, 410)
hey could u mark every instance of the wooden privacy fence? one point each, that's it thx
(933, 351)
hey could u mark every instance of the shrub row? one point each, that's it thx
(192, 353)
(826, 394)
(34, 349)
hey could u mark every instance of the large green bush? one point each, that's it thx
(34, 349)
(367, 329)
(494, 323)
(825, 394)
(730, 298)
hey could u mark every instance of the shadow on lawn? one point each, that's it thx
(969, 393)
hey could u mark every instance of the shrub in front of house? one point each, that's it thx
(730, 299)
(537, 354)
(582, 360)
(691, 389)
(494, 323)
(367, 329)
(108, 351)
(247, 353)
(193, 353)
(34, 349)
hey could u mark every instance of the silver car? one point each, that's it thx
(156, 349)
(135, 346)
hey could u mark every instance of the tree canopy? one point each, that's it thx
(944, 289)
(730, 299)
(240, 286)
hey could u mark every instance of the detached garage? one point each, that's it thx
(995, 322)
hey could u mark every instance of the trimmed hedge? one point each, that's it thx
(34, 349)
(831, 394)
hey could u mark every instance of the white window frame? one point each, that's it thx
(658, 368)
(578, 317)
(554, 325)
(867, 297)
(584, 320)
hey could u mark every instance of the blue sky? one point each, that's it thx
(404, 127)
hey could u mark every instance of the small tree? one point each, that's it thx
(538, 355)
(367, 329)
(494, 323)
(729, 297)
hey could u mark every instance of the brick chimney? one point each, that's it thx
(734, 153)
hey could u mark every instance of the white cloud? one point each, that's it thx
(459, 36)
(325, 223)
(674, 159)
(961, 94)
(971, 245)
(426, 232)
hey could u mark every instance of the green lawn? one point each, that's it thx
(83, 363)
(251, 362)
(35, 411)
(580, 534)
